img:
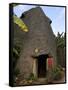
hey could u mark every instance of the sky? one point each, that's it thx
(56, 14)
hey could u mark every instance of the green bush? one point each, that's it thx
(31, 77)
(16, 72)
(57, 73)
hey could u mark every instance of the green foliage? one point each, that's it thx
(59, 66)
(31, 77)
(60, 42)
(55, 74)
(16, 53)
(60, 39)
(20, 23)
(16, 72)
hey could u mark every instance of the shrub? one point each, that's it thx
(55, 74)
(16, 72)
(31, 77)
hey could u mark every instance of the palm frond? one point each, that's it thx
(20, 23)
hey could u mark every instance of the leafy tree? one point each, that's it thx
(60, 40)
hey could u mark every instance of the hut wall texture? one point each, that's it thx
(40, 36)
(19, 36)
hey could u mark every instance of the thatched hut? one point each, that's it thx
(38, 43)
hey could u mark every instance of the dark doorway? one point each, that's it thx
(41, 64)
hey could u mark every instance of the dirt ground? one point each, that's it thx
(41, 81)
